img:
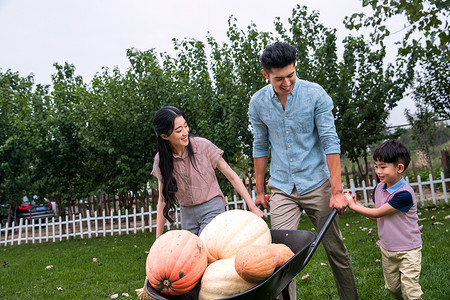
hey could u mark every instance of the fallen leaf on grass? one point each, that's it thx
(114, 296)
(433, 218)
(437, 223)
(125, 295)
(347, 224)
(323, 264)
(363, 229)
(377, 260)
(447, 217)
(49, 267)
(95, 259)
(4, 264)
(304, 277)
(421, 227)
(422, 219)
(59, 288)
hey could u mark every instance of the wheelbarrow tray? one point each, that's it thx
(299, 241)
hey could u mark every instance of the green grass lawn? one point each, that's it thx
(120, 264)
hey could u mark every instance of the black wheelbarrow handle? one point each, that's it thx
(320, 235)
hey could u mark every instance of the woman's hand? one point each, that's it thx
(257, 211)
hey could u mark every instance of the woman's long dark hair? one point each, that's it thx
(163, 123)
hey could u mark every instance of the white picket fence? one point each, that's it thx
(144, 221)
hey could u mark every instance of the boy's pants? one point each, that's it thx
(285, 211)
(401, 272)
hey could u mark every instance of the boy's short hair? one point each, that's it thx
(278, 55)
(392, 151)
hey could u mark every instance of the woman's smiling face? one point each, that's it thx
(178, 139)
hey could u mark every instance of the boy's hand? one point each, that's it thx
(351, 200)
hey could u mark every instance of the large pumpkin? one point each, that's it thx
(220, 280)
(232, 230)
(254, 263)
(176, 262)
(282, 252)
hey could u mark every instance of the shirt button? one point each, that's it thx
(293, 175)
(285, 117)
(289, 146)
(287, 131)
(290, 160)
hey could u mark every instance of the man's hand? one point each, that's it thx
(338, 201)
(261, 199)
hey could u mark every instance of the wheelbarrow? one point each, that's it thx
(302, 242)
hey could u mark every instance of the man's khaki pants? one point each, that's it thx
(285, 212)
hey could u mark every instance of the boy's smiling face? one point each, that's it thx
(389, 173)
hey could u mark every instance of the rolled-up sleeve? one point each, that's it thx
(325, 124)
(260, 132)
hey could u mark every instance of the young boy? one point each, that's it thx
(396, 214)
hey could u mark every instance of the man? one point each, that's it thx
(294, 117)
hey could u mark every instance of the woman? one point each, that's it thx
(184, 166)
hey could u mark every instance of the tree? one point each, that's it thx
(58, 156)
(365, 94)
(15, 157)
(432, 85)
(424, 43)
(423, 125)
(426, 26)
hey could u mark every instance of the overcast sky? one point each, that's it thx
(91, 34)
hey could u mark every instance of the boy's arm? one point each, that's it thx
(372, 213)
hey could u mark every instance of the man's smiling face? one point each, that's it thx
(282, 79)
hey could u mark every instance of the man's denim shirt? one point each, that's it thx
(299, 136)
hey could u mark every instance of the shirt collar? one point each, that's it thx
(182, 156)
(395, 187)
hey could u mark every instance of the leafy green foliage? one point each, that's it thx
(424, 44)
(15, 127)
(423, 125)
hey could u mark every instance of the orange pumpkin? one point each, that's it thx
(254, 263)
(282, 252)
(176, 262)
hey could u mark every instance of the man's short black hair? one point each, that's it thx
(392, 151)
(278, 55)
